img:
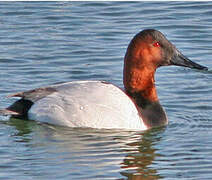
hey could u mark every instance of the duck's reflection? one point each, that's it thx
(137, 164)
(80, 146)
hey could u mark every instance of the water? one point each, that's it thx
(42, 43)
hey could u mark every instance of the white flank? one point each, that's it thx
(87, 104)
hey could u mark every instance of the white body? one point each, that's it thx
(92, 104)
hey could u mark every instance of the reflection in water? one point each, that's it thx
(137, 164)
(23, 127)
(89, 151)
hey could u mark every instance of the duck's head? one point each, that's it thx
(150, 48)
(147, 51)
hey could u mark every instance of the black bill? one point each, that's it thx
(180, 60)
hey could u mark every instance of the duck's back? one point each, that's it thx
(93, 104)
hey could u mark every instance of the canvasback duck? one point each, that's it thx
(98, 104)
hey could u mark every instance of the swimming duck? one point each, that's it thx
(99, 104)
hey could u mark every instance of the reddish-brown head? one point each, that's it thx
(147, 51)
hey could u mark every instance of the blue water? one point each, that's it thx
(42, 43)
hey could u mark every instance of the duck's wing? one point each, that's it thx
(20, 107)
(35, 94)
(94, 104)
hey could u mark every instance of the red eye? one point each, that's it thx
(156, 44)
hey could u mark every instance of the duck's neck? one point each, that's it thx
(139, 84)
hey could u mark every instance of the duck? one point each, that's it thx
(101, 104)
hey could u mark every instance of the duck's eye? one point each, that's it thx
(156, 44)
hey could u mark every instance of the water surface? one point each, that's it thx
(42, 43)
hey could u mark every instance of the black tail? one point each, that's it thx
(18, 109)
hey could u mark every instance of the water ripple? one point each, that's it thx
(42, 43)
